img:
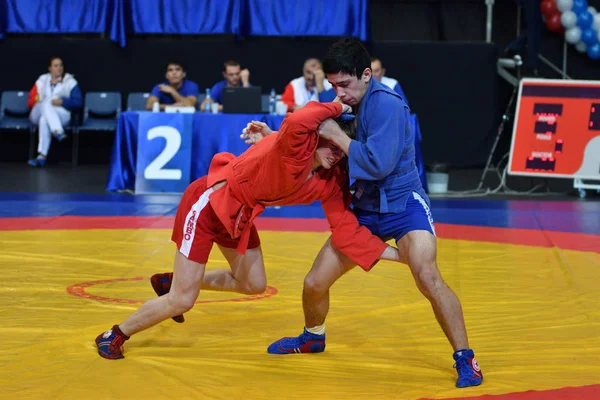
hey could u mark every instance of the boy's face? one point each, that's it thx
(327, 154)
(175, 74)
(348, 88)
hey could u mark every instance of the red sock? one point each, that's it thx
(119, 332)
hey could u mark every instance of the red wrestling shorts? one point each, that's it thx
(197, 226)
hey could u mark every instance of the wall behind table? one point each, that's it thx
(451, 86)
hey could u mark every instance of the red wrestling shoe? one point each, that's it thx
(161, 283)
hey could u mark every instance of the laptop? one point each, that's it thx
(237, 100)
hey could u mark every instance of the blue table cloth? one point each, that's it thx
(211, 134)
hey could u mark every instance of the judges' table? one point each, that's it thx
(210, 134)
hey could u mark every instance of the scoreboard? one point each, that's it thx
(557, 129)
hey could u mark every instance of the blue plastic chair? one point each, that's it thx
(100, 113)
(14, 113)
(136, 101)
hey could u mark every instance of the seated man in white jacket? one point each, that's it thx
(51, 100)
(309, 87)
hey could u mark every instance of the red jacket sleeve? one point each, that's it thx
(33, 96)
(309, 117)
(296, 125)
(288, 96)
(352, 239)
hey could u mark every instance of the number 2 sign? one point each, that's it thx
(163, 153)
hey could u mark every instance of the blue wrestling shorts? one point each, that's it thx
(416, 216)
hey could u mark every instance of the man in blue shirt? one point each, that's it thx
(175, 91)
(234, 77)
(388, 199)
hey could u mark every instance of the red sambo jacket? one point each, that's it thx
(274, 172)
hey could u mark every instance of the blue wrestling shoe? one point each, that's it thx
(60, 136)
(110, 344)
(37, 162)
(161, 283)
(305, 343)
(469, 373)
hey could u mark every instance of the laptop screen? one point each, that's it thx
(242, 100)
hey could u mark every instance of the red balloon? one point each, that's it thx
(553, 22)
(548, 7)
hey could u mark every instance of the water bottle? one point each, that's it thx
(208, 103)
(272, 102)
(155, 107)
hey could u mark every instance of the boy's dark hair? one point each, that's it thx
(347, 126)
(175, 63)
(347, 56)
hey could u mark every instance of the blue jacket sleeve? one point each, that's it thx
(194, 90)
(385, 122)
(155, 92)
(327, 96)
(398, 89)
(74, 101)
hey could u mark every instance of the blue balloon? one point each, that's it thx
(579, 6)
(594, 51)
(589, 36)
(585, 19)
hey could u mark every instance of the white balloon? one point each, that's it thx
(581, 47)
(596, 23)
(573, 35)
(564, 5)
(592, 10)
(568, 19)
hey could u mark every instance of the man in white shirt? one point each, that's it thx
(379, 74)
(309, 87)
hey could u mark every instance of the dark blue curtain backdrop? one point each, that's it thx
(305, 18)
(63, 16)
(184, 16)
(117, 18)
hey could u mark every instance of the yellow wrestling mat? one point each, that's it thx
(532, 314)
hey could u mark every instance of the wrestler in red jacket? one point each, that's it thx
(294, 166)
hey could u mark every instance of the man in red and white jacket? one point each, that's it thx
(309, 87)
(51, 99)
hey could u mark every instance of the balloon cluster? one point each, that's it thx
(580, 23)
